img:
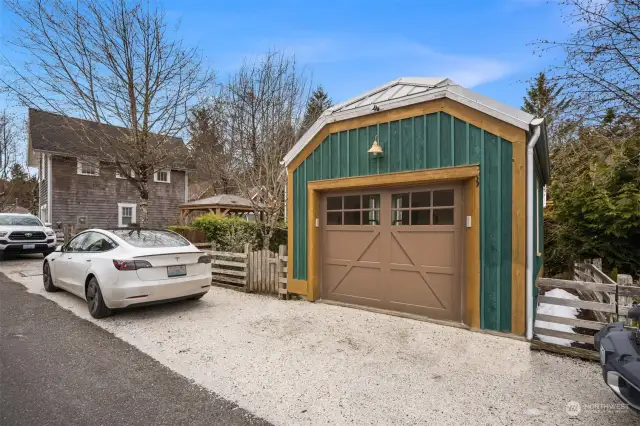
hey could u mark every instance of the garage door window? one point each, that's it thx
(422, 208)
(353, 210)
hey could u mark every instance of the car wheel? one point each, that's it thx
(197, 296)
(47, 279)
(95, 302)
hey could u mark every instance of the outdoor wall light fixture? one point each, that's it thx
(376, 150)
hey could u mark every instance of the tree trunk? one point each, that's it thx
(144, 204)
(266, 238)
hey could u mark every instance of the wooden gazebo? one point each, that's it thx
(224, 204)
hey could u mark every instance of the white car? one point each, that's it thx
(118, 268)
(25, 233)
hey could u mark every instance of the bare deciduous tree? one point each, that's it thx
(9, 133)
(601, 70)
(266, 103)
(113, 63)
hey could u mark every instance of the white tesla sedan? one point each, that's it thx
(118, 268)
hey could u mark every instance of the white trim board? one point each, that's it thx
(49, 189)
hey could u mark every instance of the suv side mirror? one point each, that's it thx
(634, 313)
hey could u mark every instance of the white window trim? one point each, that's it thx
(79, 167)
(119, 176)
(155, 176)
(134, 213)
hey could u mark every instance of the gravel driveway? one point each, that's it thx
(296, 362)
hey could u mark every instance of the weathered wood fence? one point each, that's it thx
(608, 301)
(195, 236)
(260, 271)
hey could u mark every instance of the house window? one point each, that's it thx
(120, 176)
(88, 167)
(127, 214)
(162, 176)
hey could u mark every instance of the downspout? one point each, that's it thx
(530, 224)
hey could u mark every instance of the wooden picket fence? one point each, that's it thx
(260, 271)
(608, 301)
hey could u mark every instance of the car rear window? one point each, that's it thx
(17, 220)
(151, 238)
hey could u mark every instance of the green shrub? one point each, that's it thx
(179, 228)
(230, 233)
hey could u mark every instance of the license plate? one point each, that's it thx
(176, 270)
(28, 246)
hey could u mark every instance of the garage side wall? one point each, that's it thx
(425, 142)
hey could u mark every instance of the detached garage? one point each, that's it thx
(420, 197)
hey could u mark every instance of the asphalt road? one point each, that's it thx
(57, 369)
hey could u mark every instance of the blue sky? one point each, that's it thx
(351, 46)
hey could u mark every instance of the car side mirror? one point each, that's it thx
(59, 248)
(634, 313)
(47, 224)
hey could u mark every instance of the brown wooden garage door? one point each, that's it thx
(397, 249)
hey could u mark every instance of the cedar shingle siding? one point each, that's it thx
(97, 197)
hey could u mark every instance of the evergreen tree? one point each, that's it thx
(318, 102)
(18, 173)
(544, 99)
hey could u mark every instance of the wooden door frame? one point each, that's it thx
(468, 175)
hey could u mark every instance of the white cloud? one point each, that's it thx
(403, 56)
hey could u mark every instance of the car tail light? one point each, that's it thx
(204, 259)
(130, 265)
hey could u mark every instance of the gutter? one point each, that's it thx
(537, 128)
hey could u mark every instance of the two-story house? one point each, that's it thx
(79, 185)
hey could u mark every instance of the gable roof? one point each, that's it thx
(408, 91)
(59, 134)
(222, 200)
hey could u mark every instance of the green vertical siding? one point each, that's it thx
(506, 187)
(418, 143)
(446, 143)
(490, 286)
